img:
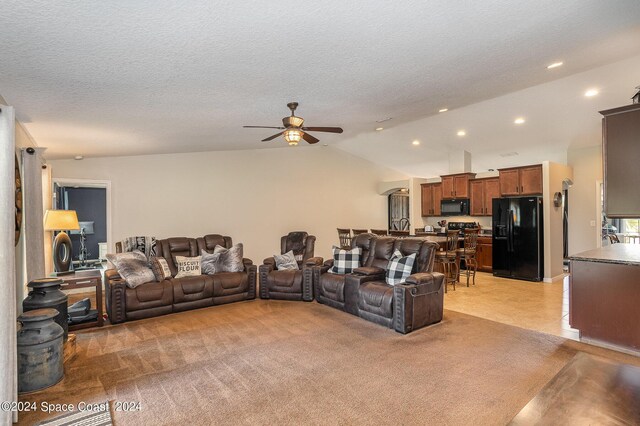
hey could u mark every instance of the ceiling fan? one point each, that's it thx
(293, 130)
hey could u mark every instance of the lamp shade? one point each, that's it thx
(60, 220)
(292, 136)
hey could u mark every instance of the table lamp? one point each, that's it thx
(61, 220)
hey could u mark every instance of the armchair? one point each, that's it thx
(412, 304)
(330, 288)
(292, 284)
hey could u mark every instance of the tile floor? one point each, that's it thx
(532, 305)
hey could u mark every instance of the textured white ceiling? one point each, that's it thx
(121, 78)
(558, 117)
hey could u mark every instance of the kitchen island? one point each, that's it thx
(604, 296)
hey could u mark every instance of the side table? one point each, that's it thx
(85, 279)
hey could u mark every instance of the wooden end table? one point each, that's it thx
(85, 279)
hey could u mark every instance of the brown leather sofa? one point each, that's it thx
(290, 284)
(179, 294)
(405, 307)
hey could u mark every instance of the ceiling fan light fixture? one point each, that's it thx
(292, 136)
(296, 121)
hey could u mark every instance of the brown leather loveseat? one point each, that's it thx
(179, 294)
(415, 303)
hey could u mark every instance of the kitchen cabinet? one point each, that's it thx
(483, 191)
(431, 197)
(620, 130)
(521, 181)
(484, 254)
(456, 186)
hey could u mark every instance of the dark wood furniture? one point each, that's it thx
(85, 279)
(359, 231)
(468, 253)
(483, 191)
(344, 237)
(604, 295)
(447, 258)
(524, 181)
(621, 150)
(588, 390)
(431, 198)
(456, 185)
(484, 254)
(380, 232)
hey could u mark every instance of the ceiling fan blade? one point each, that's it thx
(311, 139)
(272, 137)
(324, 129)
(262, 127)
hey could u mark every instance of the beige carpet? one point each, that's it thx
(303, 363)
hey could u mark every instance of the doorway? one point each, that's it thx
(399, 211)
(90, 200)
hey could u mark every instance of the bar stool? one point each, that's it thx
(359, 231)
(381, 232)
(344, 237)
(468, 252)
(447, 258)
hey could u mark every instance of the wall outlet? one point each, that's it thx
(593, 223)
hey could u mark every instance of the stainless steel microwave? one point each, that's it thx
(455, 207)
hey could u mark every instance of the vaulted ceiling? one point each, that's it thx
(125, 78)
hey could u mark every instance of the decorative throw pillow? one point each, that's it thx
(132, 267)
(399, 267)
(187, 266)
(209, 262)
(286, 261)
(230, 260)
(345, 261)
(160, 268)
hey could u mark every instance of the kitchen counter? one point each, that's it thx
(604, 296)
(621, 254)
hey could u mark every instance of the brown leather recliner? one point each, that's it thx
(405, 307)
(179, 294)
(296, 284)
(330, 288)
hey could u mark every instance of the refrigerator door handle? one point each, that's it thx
(510, 232)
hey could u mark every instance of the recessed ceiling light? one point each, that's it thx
(379, 128)
(78, 157)
(554, 65)
(519, 120)
(416, 142)
(443, 110)
(591, 92)
(461, 133)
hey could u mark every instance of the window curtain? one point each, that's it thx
(33, 212)
(8, 358)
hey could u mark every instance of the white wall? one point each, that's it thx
(587, 170)
(553, 175)
(253, 196)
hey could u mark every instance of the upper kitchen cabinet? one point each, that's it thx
(431, 197)
(456, 186)
(621, 151)
(521, 181)
(483, 191)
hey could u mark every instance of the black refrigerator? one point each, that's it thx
(517, 238)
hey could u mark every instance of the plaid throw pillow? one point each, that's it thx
(345, 261)
(399, 267)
